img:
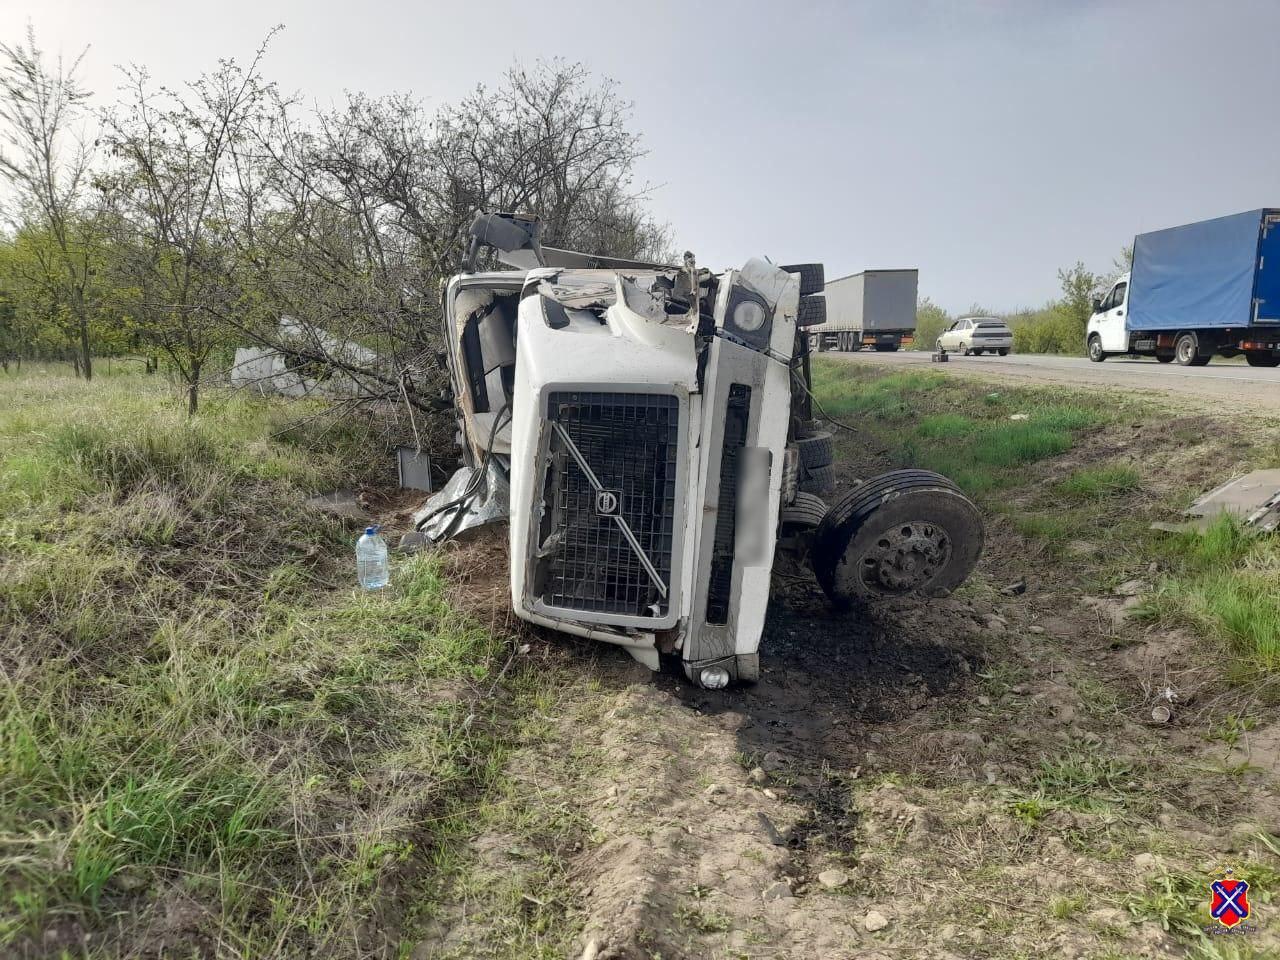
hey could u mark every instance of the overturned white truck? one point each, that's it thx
(646, 430)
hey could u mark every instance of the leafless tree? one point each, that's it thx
(47, 160)
(350, 221)
(174, 153)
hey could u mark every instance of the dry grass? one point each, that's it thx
(212, 742)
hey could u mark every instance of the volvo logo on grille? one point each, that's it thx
(607, 503)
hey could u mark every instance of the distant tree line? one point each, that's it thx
(1057, 327)
(179, 221)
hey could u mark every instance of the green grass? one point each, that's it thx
(1226, 582)
(195, 698)
(953, 426)
(1100, 483)
(1076, 780)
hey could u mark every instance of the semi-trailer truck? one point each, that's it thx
(875, 308)
(1194, 292)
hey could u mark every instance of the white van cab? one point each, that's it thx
(1107, 333)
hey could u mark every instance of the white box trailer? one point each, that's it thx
(875, 308)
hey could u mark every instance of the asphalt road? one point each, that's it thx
(1226, 383)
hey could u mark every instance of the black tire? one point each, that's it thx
(816, 450)
(818, 481)
(812, 312)
(1164, 358)
(868, 527)
(1186, 350)
(812, 277)
(1004, 352)
(1257, 358)
(805, 512)
(1096, 353)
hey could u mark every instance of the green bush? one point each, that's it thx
(1049, 330)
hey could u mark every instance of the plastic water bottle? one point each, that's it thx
(371, 560)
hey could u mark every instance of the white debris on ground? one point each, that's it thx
(1253, 499)
(268, 371)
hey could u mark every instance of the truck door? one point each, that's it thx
(1115, 338)
(1267, 292)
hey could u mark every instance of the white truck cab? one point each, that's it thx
(1107, 332)
(641, 428)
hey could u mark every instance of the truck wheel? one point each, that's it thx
(811, 312)
(819, 480)
(907, 531)
(1186, 350)
(1164, 358)
(811, 277)
(1256, 358)
(1004, 352)
(1096, 353)
(805, 512)
(816, 450)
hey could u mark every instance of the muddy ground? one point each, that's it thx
(979, 776)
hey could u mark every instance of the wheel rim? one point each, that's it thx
(1095, 348)
(904, 558)
(1185, 350)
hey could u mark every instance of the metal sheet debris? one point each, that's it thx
(1253, 499)
(464, 503)
(415, 469)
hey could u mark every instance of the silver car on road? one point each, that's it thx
(973, 336)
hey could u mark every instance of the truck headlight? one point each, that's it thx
(749, 316)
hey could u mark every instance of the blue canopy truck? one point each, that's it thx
(1196, 291)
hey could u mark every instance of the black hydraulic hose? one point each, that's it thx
(822, 412)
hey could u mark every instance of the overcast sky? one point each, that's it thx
(987, 144)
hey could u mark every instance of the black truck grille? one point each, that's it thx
(722, 548)
(629, 440)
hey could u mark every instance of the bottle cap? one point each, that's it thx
(370, 531)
